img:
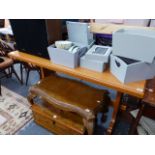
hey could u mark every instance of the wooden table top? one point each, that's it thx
(110, 28)
(105, 79)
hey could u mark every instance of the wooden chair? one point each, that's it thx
(5, 48)
(6, 64)
(66, 106)
(28, 68)
(149, 100)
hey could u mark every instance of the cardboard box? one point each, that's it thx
(64, 57)
(99, 53)
(95, 65)
(128, 70)
(136, 44)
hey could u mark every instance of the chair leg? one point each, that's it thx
(21, 72)
(27, 77)
(0, 89)
(13, 71)
(10, 72)
(6, 74)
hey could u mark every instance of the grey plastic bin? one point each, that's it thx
(64, 57)
(136, 44)
(131, 72)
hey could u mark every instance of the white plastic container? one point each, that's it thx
(136, 44)
(131, 71)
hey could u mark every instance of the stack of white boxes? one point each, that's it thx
(96, 58)
(81, 36)
(133, 56)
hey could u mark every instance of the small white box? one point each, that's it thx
(136, 44)
(95, 65)
(128, 70)
(64, 57)
(99, 53)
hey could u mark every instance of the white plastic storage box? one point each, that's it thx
(80, 33)
(128, 70)
(99, 53)
(136, 44)
(64, 57)
(94, 65)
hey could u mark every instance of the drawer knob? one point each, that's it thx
(54, 116)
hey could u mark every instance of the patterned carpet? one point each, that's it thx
(15, 112)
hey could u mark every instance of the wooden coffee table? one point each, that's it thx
(104, 79)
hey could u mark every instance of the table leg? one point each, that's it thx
(116, 104)
(42, 73)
